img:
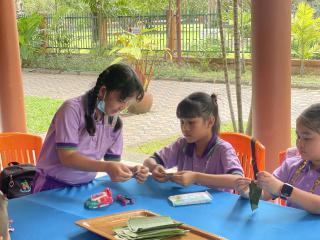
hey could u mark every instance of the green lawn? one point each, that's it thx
(150, 147)
(39, 112)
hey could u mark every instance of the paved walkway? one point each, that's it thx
(161, 121)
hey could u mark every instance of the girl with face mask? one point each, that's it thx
(87, 129)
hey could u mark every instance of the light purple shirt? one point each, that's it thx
(304, 181)
(67, 131)
(218, 158)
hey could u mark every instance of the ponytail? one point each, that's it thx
(215, 112)
(90, 101)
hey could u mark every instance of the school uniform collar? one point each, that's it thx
(308, 167)
(188, 148)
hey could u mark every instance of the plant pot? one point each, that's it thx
(143, 106)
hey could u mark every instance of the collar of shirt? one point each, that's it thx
(188, 148)
(308, 167)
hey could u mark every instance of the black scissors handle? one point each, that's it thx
(253, 158)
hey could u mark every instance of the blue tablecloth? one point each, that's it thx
(51, 214)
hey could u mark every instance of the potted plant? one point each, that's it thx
(137, 51)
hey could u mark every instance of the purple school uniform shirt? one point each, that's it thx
(304, 181)
(67, 131)
(218, 158)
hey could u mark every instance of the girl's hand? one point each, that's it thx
(269, 183)
(184, 178)
(141, 173)
(242, 186)
(118, 172)
(159, 173)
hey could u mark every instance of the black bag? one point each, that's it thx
(16, 179)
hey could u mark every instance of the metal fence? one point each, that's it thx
(200, 32)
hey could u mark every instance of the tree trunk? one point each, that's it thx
(237, 63)
(94, 32)
(243, 61)
(102, 30)
(302, 62)
(225, 65)
(249, 125)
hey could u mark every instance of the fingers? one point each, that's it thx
(142, 174)
(160, 169)
(121, 177)
(126, 169)
(120, 173)
(269, 183)
(159, 177)
(242, 186)
(159, 174)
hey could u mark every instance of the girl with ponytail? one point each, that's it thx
(200, 155)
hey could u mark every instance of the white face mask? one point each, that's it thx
(102, 105)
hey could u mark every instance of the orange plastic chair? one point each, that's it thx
(281, 158)
(242, 144)
(19, 147)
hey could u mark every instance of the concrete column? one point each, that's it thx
(271, 76)
(11, 89)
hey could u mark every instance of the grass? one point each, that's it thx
(150, 147)
(39, 113)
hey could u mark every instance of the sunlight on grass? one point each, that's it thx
(39, 112)
(152, 146)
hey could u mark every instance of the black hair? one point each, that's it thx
(310, 117)
(117, 77)
(200, 104)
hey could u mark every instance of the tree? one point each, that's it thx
(225, 64)
(306, 33)
(237, 63)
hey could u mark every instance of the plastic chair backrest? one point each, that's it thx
(19, 147)
(242, 145)
(281, 157)
(290, 152)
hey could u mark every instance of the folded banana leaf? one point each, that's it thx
(254, 195)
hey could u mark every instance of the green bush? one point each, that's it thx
(30, 40)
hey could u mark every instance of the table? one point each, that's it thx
(51, 214)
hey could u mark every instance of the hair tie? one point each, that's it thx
(214, 98)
